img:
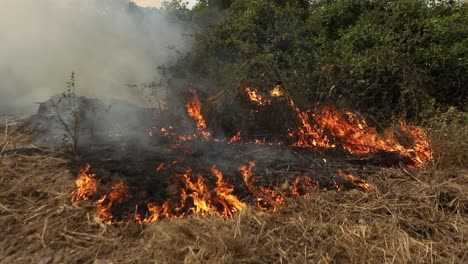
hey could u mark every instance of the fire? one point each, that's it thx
(156, 212)
(193, 107)
(207, 191)
(235, 138)
(357, 182)
(118, 194)
(275, 197)
(328, 128)
(161, 166)
(86, 183)
(356, 137)
(254, 97)
(266, 198)
(229, 201)
(219, 200)
(421, 152)
(302, 186)
(308, 134)
(276, 92)
(198, 197)
(197, 194)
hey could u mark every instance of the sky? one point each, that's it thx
(157, 3)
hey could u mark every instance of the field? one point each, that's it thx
(234, 131)
(411, 216)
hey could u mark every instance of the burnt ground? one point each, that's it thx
(135, 164)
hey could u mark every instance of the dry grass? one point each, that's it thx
(10, 137)
(410, 217)
(449, 135)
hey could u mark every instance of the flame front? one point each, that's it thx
(196, 194)
(328, 128)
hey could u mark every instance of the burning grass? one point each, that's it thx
(410, 216)
(192, 184)
(314, 196)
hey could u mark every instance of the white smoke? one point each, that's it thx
(105, 44)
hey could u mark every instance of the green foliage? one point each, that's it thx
(399, 58)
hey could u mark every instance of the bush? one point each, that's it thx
(386, 59)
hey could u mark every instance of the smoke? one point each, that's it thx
(106, 43)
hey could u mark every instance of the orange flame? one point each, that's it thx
(235, 138)
(275, 197)
(357, 182)
(193, 107)
(254, 97)
(325, 128)
(200, 197)
(329, 127)
(157, 211)
(86, 183)
(229, 202)
(118, 194)
(276, 92)
(161, 166)
(266, 198)
(357, 138)
(309, 135)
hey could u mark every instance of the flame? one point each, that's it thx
(302, 186)
(86, 183)
(328, 128)
(156, 212)
(193, 107)
(235, 138)
(309, 134)
(276, 92)
(196, 196)
(275, 197)
(229, 201)
(161, 166)
(254, 97)
(104, 205)
(267, 198)
(357, 182)
(200, 196)
(356, 137)
(219, 200)
(421, 151)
